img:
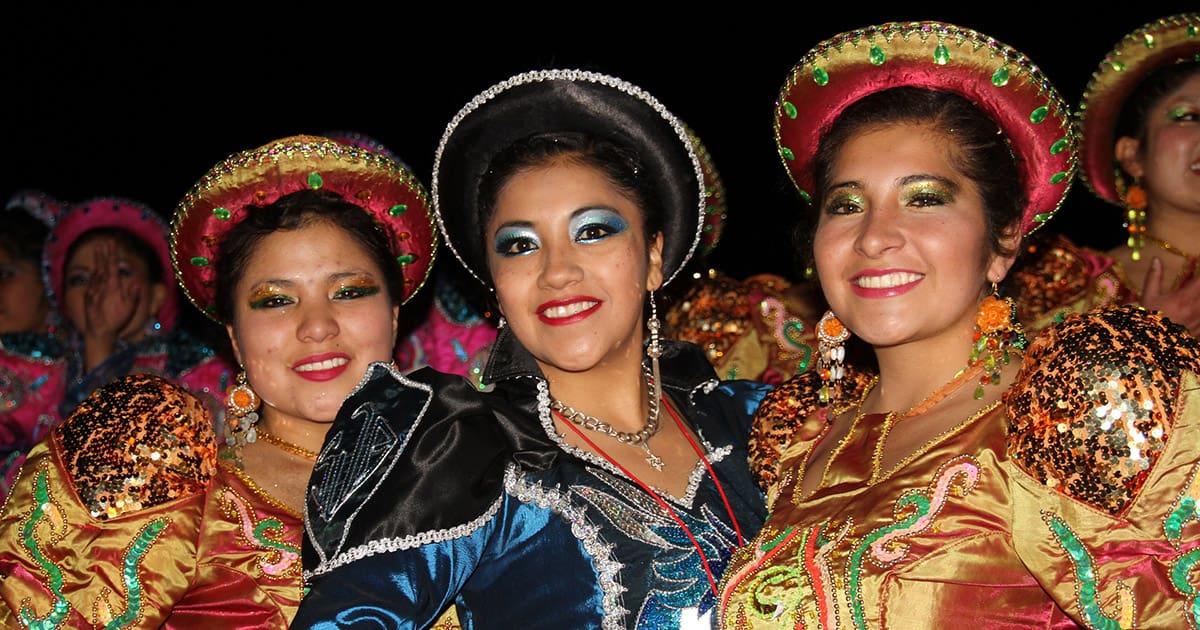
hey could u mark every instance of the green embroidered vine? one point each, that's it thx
(59, 610)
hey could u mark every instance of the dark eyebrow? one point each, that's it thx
(342, 275)
(923, 177)
(847, 184)
(524, 224)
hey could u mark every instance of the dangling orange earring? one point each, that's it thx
(242, 407)
(997, 332)
(1135, 218)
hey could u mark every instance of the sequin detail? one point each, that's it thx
(676, 565)
(787, 414)
(137, 443)
(1184, 511)
(131, 562)
(743, 325)
(279, 559)
(601, 553)
(1086, 581)
(48, 509)
(1090, 410)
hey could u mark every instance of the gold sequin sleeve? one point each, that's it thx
(102, 525)
(1055, 277)
(1104, 450)
(788, 415)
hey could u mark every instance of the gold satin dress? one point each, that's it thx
(126, 517)
(1071, 503)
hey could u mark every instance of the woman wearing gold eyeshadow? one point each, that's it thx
(974, 483)
(1140, 123)
(129, 515)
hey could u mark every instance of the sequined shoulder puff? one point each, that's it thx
(136, 443)
(1093, 406)
(787, 414)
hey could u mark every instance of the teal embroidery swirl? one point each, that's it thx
(1181, 570)
(1173, 526)
(854, 566)
(1085, 574)
(133, 584)
(272, 524)
(59, 610)
(914, 512)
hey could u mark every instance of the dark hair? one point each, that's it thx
(1156, 86)
(292, 212)
(979, 151)
(618, 164)
(23, 236)
(127, 241)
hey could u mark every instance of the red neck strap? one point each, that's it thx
(712, 582)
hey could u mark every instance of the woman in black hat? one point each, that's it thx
(600, 481)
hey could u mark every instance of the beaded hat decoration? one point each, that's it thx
(37, 204)
(998, 79)
(139, 220)
(714, 191)
(382, 187)
(1161, 42)
(546, 101)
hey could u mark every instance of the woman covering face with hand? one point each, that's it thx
(600, 481)
(962, 486)
(128, 515)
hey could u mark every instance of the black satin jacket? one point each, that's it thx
(430, 493)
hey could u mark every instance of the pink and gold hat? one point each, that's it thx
(381, 186)
(998, 79)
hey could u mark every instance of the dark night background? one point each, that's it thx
(94, 105)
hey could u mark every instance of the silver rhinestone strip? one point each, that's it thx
(607, 567)
(391, 545)
(568, 75)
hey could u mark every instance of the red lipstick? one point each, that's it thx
(570, 305)
(311, 367)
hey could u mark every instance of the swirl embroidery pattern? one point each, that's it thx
(807, 590)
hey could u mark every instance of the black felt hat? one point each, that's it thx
(547, 101)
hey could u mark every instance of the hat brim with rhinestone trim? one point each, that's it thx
(139, 220)
(1154, 45)
(998, 79)
(220, 200)
(566, 101)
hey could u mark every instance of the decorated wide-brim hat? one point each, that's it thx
(548, 101)
(37, 204)
(715, 213)
(136, 219)
(1161, 42)
(999, 80)
(224, 196)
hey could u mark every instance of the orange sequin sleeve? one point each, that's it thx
(1104, 453)
(102, 525)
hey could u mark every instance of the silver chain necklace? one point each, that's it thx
(639, 438)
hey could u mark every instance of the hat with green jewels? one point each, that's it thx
(998, 79)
